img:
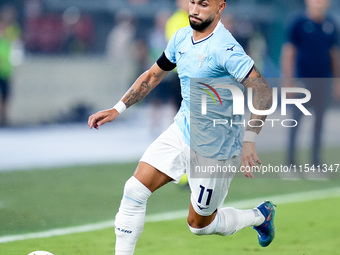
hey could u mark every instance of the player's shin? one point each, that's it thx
(130, 218)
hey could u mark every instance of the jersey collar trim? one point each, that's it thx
(207, 37)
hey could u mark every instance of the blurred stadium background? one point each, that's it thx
(66, 71)
(72, 59)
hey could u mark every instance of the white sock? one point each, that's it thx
(129, 222)
(229, 220)
(232, 220)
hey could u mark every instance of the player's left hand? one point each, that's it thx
(249, 159)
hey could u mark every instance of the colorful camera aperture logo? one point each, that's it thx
(209, 93)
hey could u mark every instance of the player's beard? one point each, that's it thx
(200, 27)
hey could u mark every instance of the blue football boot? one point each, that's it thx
(266, 231)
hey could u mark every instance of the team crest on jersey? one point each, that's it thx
(201, 58)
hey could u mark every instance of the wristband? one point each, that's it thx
(249, 136)
(120, 107)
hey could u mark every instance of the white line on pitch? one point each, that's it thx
(279, 199)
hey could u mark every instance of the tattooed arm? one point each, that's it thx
(140, 89)
(143, 85)
(262, 99)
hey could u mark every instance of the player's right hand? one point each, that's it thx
(249, 159)
(101, 117)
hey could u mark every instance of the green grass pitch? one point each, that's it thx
(37, 200)
(302, 228)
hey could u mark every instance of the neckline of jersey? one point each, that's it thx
(207, 37)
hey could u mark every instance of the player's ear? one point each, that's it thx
(221, 7)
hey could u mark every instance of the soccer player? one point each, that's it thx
(167, 158)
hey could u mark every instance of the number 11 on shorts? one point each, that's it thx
(209, 191)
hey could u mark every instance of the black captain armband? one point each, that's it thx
(164, 63)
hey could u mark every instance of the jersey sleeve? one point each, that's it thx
(170, 51)
(235, 61)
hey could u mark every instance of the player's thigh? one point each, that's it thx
(164, 160)
(151, 177)
(208, 193)
(168, 153)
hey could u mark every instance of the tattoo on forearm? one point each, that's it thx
(134, 95)
(262, 99)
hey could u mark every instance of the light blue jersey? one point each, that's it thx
(218, 55)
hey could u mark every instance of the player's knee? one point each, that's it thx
(135, 191)
(129, 186)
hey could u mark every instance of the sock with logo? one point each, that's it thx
(129, 221)
(229, 220)
(232, 220)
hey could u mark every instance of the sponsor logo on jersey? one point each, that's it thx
(231, 48)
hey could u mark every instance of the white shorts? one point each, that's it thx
(172, 156)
